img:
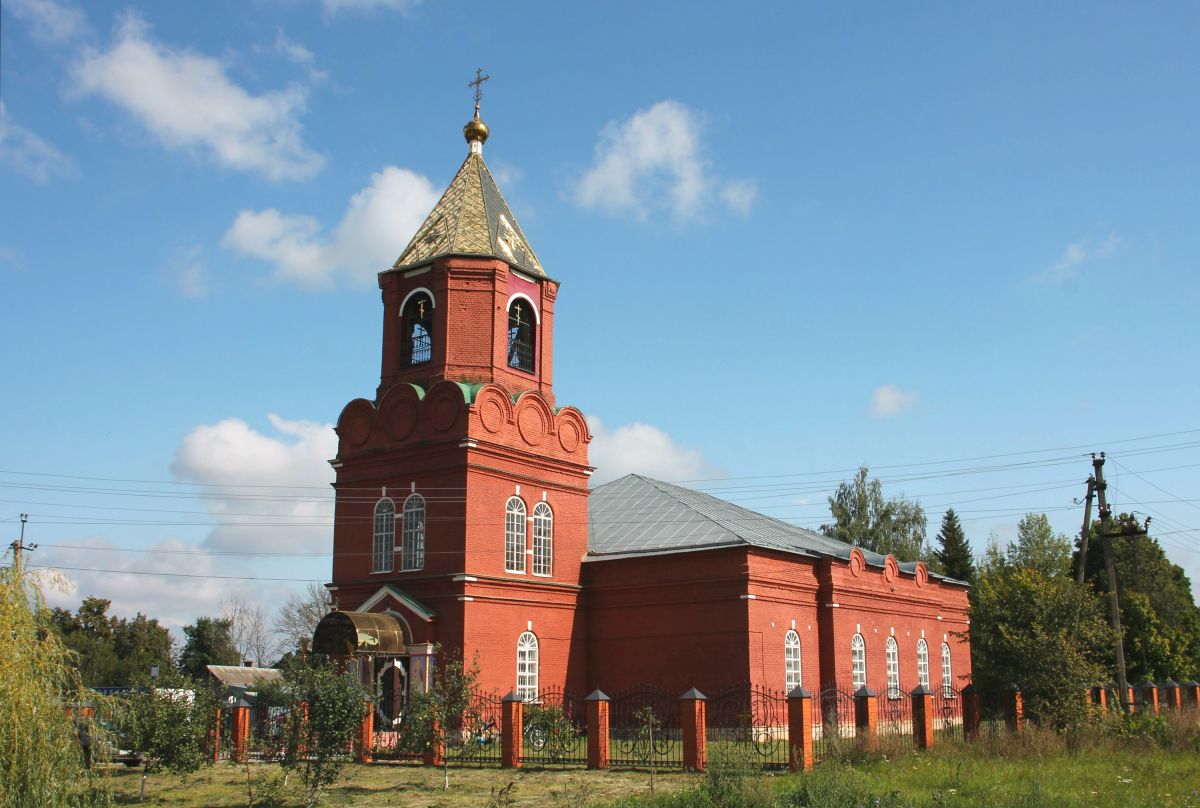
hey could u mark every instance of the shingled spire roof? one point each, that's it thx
(472, 218)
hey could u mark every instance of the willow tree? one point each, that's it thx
(41, 758)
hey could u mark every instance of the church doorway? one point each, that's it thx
(391, 690)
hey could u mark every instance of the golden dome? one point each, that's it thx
(476, 130)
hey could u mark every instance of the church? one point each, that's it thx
(465, 523)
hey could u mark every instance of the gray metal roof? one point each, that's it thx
(636, 514)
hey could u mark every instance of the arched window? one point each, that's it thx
(417, 330)
(893, 668)
(385, 536)
(947, 678)
(527, 666)
(922, 664)
(791, 660)
(413, 557)
(858, 661)
(514, 535)
(543, 539)
(521, 327)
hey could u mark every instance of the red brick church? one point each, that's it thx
(464, 518)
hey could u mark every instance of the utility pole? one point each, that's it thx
(1111, 569)
(19, 545)
(1081, 562)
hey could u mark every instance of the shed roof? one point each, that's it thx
(241, 676)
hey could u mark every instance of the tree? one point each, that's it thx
(167, 722)
(437, 715)
(248, 630)
(863, 517)
(325, 708)
(208, 643)
(41, 761)
(300, 613)
(112, 651)
(1032, 626)
(955, 555)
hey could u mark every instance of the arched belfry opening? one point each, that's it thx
(522, 325)
(417, 330)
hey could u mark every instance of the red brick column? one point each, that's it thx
(866, 717)
(800, 740)
(512, 732)
(366, 733)
(597, 730)
(922, 717)
(435, 755)
(1130, 701)
(1191, 694)
(241, 731)
(1014, 710)
(1149, 693)
(215, 749)
(1100, 698)
(693, 723)
(1171, 697)
(972, 710)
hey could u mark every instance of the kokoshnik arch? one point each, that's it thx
(464, 520)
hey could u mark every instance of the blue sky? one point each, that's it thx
(792, 239)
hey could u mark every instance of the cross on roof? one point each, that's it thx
(478, 85)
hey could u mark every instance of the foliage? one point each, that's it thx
(325, 709)
(167, 723)
(299, 615)
(209, 642)
(955, 553)
(41, 760)
(436, 715)
(112, 651)
(863, 517)
(1033, 627)
(1159, 616)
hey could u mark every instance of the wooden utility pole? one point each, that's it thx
(19, 545)
(1111, 569)
(1081, 562)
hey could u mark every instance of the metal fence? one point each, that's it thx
(894, 720)
(555, 730)
(833, 723)
(644, 727)
(476, 740)
(748, 723)
(947, 714)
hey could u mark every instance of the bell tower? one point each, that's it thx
(461, 487)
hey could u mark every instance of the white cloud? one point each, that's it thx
(296, 53)
(187, 101)
(655, 161)
(291, 508)
(888, 399)
(642, 449)
(50, 21)
(378, 223)
(1075, 255)
(190, 273)
(402, 6)
(28, 154)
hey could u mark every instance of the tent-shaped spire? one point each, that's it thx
(472, 218)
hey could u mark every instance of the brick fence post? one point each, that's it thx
(1191, 692)
(972, 710)
(1170, 694)
(436, 754)
(597, 730)
(866, 717)
(800, 721)
(301, 746)
(1014, 709)
(922, 717)
(241, 731)
(512, 732)
(693, 723)
(214, 749)
(366, 733)
(1100, 699)
(1149, 697)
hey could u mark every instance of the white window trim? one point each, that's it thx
(543, 506)
(858, 653)
(537, 315)
(387, 556)
(893, 668)
(419, 545)
(417, 291)
(519, 557)
(923, 655)
(791, 642)
(527, 642)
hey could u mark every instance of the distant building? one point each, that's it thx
(464, 518)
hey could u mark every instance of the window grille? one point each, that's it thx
(417, 347)
(385, 536)
(791, 660)
(514, 535)
(858, 661)
(947, 677)
(543, 539)
(893, 668)
(413, 557)
(527, 666)
(521, 326)
(922, 664)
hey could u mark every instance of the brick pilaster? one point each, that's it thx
(597, 730)
(1148, 701)
(215, 749)
(1170, 695)
(1191, 694)
(866, 717)
(922, 717)
(972, 709)
(512, 732)
(800, 740)
(366, 734)
(693, 723)
(1099, 697)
